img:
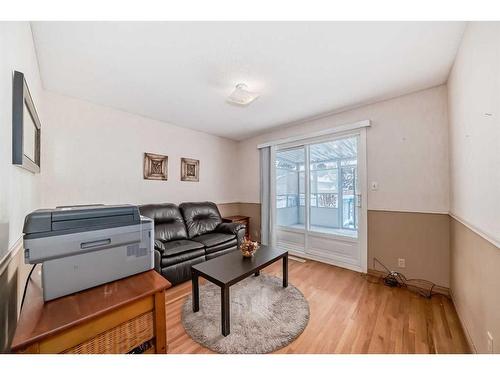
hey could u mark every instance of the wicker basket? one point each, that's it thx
(121, 339)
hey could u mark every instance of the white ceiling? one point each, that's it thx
(182, 72)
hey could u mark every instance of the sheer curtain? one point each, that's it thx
(265, 195)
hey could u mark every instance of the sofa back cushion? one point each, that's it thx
(200, 217)
(169, 224)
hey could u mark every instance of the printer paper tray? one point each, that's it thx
(53, 247)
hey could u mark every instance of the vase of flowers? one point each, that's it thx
(248, 248)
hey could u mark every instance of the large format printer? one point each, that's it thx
(84, 246)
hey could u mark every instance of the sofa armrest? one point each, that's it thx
(230, 228)
(159, 246)
(233, 228)
(157, 255)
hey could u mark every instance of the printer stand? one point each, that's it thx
(123, 316)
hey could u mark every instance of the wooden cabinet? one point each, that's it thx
(112, 318)
(239, 219)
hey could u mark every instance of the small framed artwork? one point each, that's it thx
(155, 167)
(25, 126)
(190, 170)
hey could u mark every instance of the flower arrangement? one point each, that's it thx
(248, 248)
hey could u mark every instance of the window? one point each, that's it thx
(333, 187)
(290, 187)
(324, 184)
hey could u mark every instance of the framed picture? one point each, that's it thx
(190, 170)
(155, 167)
(25, 126)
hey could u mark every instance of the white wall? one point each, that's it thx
(19, 189)
(474, 91)
(94, 154)
(407, 151)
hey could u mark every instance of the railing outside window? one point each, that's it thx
(322, 200)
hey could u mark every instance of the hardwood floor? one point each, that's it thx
(349, 315)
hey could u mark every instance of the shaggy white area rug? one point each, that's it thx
(264, 316)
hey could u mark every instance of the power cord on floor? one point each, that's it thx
(26, 285)
(397, 279)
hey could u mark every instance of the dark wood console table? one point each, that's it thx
(112, 318)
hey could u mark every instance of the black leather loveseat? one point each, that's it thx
(189, 234)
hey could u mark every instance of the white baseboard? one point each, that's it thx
(297, 259)
(327, 261)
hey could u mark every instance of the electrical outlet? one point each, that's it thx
(401, 263)
(490, 342)
(374, 186)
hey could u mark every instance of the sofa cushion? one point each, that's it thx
(200, 217)
(168, 221)
(216, 241)
(172, 248)
(221, 252)
(222, 246)
(181, 257)
(180, 251)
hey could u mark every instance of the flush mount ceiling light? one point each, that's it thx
(241, 95)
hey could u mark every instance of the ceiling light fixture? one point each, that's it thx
(241, 95)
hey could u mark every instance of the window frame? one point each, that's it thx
(307, 175)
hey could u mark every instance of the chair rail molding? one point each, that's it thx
(487, 236)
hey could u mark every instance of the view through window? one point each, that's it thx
(332, 190)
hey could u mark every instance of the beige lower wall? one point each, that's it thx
(229, 209)
(475, 285)
(251, 210)
(422, 239)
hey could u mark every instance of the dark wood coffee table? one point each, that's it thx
(231, 268)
